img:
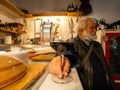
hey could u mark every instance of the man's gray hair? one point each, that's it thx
(81, 23)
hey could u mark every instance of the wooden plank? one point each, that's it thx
(34, 71)
(42, 57)
(12, 7)
(58, 14)
(53, 14)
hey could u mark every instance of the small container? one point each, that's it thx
(8, 39)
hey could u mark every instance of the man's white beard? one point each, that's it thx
(90, 37)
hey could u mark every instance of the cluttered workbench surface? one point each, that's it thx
(39, 53)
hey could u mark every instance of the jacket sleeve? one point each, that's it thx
(72, 56)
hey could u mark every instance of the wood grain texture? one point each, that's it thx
(43, 57)
(10, 70)
(34, 71)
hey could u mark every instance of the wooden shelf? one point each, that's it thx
(54, 14)
(8, 7)
(14, 9)
(8, 31)
(58, 14)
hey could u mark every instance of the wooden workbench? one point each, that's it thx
(34, 71)
(41, 57)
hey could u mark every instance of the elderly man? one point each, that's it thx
(93, 72)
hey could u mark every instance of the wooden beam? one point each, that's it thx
(12, 7)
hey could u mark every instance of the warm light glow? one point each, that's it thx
(60, 23)
(2, 52)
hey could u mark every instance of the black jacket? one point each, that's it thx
(76, 53)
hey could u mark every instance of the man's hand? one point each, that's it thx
(58, 67)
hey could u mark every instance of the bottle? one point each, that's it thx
(115, 25)
(76, 8)
(69, 8)
(118, 24)
(101, 25)
(72, 8)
